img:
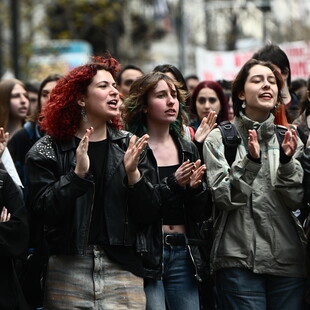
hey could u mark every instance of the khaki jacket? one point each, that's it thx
(256, 229)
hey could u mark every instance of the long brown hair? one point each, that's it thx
(6, 87)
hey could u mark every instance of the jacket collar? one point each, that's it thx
(265, 130)
(183, 146)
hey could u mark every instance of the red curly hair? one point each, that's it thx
(60, 118)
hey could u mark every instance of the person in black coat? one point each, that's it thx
(175, 260)
(86, 185)
(13, 241)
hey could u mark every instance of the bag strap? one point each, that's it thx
(280, 131)
(231, 140)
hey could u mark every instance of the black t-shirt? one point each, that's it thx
(171, 215)
(123, 255)
(97, 155)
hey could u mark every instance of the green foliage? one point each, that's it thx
(95, 21)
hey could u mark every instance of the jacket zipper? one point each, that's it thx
(89, 220)
(197, 277)
(162, 249)
(126, 224)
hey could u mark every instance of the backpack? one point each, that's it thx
(232, 139)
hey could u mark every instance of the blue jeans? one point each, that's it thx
(242, 289)
(178, 287)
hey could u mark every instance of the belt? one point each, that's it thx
(93, 247)
(180, 239)
(175, 239)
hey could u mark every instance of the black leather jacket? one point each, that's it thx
(64, 201)
(197, 205)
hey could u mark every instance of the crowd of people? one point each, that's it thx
(151, 190)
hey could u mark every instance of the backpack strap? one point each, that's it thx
(280, 131)
(231, 140)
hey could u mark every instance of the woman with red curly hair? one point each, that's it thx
(87, 185)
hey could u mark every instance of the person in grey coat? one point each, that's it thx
(259, 250)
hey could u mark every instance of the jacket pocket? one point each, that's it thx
(234, 241)
(287, 248)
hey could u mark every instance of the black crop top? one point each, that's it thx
(172, 215)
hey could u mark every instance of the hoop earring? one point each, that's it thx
(84, 115)
(243, 105)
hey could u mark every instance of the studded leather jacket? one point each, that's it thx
(64, 201)
(197, 205)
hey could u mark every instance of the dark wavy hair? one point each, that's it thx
(304, 101)
(274, 54)
(133, 113)
(166, 68)
(61, 116)
(223, 114)
(239, 82)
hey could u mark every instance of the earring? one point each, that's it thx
(243, 105)
(84, 115)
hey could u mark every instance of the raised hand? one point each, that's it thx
(82, 159)
(253, 145)
(206, 125)
(289, 144)
(196, 177)
(131, 158)
(184, 172)
(4, 137)
(5, 215)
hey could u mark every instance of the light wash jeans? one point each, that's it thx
(178, 287)
(241, 289)
(91, 282)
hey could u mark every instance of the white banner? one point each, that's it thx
(218, 65)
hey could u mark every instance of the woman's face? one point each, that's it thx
(163, 104)
(101, 100)
(207, 101)
(19, 103)
(45, 94)
(260, 92)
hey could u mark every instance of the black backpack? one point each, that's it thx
(232, 139)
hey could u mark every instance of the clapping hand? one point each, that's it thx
(253, 145)
(196, 177)
(5, 215)
(131, 158)
(82, 159)
(289, 144)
